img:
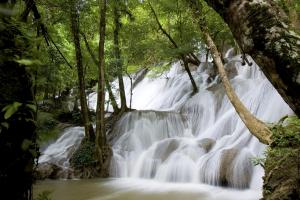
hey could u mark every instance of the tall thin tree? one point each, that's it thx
(74, 17)
(100, 124)
(118, 59)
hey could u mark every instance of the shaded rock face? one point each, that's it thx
(227, 158)
(52, 171)
(282, 179)
(282, 166)
(231, 70)
(234, 168)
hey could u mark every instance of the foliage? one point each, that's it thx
(84, 156)
(11, 109)
(286, 133)
(47, 129)
(282, 164)
(45, 195)
(258, 161)
(286, 137)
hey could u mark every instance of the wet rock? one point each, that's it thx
(282, 179)
(231, 70)
(235, 168)
(47, 170)
(207, 143)
(227, 158)
(164, 149)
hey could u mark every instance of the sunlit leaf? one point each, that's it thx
(31, 106)
(29, 62)
(11, 109)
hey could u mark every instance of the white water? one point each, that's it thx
(195, 140)
(60, 151)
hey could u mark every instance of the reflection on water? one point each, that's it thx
(137, 189)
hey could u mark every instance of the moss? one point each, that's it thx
(286, 133)
(84, 156)
(47, 128)
(282, 179)
(45, 195)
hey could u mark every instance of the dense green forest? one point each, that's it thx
(54, 54)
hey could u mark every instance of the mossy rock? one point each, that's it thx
(282, 178)
(84, 161)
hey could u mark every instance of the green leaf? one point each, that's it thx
(31, 106)
(26, 144)
(5, 124)
(28, 62)
(11, 109)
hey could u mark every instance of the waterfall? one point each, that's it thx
(176, 137)
(59, 152)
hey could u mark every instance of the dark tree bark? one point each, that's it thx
(18, 147)
(89, 132)
(100, 129)
(131, 88)
(262, 31)
(119, 65)
(104, 151)
(184, 58)
(111, 96)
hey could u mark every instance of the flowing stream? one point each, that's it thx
(180, 146)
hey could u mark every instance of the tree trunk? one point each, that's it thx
(107, 84)
(75, 107)
(255, 126)
(187, 69)
(119, 65)
(261, 30)
(89, 132)
(131, 89)
(111, 96)
(206, 56)
(103, 150)
(184, 58)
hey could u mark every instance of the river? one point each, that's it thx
(137, 189)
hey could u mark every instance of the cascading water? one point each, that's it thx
(198, 138)
(60, 151)
(176, 137)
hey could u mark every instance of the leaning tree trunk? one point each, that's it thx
(187, 69)
(262, 31)
(89, 132)
(103, 149)
(255, 126)
(119, 65)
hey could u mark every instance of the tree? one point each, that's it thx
(18, 147)
(74, 18)
(261, 29)
(107, 84)
(103, 149)
(117, 52)
(283, 186)
(184, 58)
(255, 126)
